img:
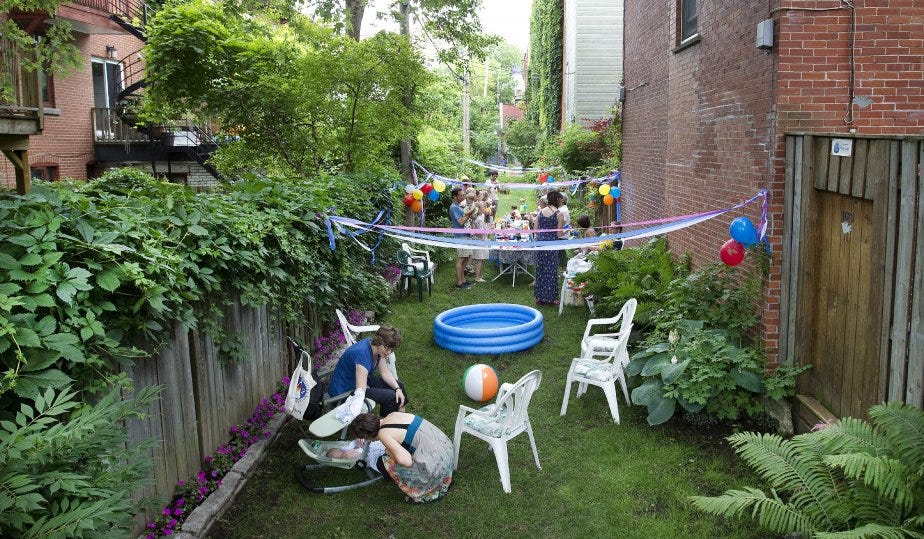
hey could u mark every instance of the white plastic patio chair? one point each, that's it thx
(351, 334)
(499, 422)
(601, 373)
(601, 344)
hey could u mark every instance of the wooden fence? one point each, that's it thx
(853, 269)
(202, 397)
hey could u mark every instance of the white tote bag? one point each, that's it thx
(299, 394)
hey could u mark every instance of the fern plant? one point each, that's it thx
(849, 480)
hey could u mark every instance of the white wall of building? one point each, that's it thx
(593, 59)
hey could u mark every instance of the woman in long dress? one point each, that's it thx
(418, 456)
(549, 218)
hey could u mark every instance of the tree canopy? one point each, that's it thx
(298, 98)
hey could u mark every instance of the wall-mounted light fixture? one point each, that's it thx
(111, 52)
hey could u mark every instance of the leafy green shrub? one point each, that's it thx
(578, 149)
(850, 479)
(521, 138)
(643, 273)
(66, 468)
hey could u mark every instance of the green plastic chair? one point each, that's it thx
(415, 267)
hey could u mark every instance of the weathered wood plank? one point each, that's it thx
(866, 316)
(187, 402)
(791, 229)
(878, 164)
(803, 352)
(821, 148)
(845, 175)
(860, 155)
(851, 268)
(834, 170)
(914, 391)
(885, 195)
(903, 277)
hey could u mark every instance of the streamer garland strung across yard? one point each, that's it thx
(512, 185)
(418, 235)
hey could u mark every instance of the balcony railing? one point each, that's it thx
(20, 92)
(108, 127)
(127, 9)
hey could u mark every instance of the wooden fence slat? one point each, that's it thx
(187, 401)
(807, 256)
(903, 278)
(834, 170)
(791, 230)
(860, 155)
(886, 194)
(821, 147)
(846, 173)
(914, 392)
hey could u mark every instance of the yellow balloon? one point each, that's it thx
(604, 189)
(417, 194)
(439, 186)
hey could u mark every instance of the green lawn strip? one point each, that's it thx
(597, 478)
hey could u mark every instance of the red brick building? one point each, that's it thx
(709, 119)
(82, 133)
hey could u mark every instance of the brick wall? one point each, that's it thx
(814, 50)
(67, 140)
(701, 128)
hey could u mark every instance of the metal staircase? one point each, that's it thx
(199, 141)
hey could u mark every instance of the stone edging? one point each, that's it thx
(201, 519)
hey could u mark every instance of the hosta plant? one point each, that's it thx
(851, 479)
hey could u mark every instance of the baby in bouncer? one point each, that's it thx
(354, 450)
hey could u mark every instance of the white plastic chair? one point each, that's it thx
(499, 422)
(351, 335)
(601, 344)
(601, 373)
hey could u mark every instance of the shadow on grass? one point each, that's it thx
(597, 479)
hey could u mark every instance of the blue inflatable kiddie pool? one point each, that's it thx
(488, 328)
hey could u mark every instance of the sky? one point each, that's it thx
(506, 18)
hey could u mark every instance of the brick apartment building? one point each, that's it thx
(709, 119)
(82, 133)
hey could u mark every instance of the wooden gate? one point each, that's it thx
(853, 270)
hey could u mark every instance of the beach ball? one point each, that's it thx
(480, 382)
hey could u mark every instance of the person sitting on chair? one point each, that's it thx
(355, 367)
(418, 456)
(586, 231)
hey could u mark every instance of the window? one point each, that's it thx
(107, 83)
(687, 20)
(47, 87)
(45, 172)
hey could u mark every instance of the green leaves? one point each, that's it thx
(74, 279)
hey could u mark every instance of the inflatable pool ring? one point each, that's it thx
(488, 328)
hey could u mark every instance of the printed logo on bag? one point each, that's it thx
(302, 388)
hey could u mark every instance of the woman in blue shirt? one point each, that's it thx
(356, 366)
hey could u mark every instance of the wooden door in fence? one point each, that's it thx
(853, 267)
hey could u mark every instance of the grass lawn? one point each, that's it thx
(598, 479)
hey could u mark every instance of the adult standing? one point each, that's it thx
(549, 218)
(418, 456)
(493, 188)
(358, 362)
(458, 218)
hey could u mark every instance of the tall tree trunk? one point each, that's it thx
(355, 10)
(407, 99)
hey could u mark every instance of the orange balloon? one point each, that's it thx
(608, 199)
(416, 206)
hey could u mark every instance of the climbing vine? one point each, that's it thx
(545, 66)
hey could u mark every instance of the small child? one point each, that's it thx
(524, 209)
(515, 213)
(480, 255)
(354, 450)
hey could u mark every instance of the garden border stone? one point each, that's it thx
(203, 517)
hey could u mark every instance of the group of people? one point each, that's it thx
(410, 450)
(472, 209)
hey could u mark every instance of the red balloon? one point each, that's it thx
(543, 177)
(408, 199)
(732, 253)
(426, 188)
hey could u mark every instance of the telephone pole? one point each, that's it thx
(466, 105)
(407, 99)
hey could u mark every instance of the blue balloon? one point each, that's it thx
(615, 192)
(433, 195)
(742, 230)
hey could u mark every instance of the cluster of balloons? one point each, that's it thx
(544, 177)
(414, 197)
(609, 193)
(743, 234)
